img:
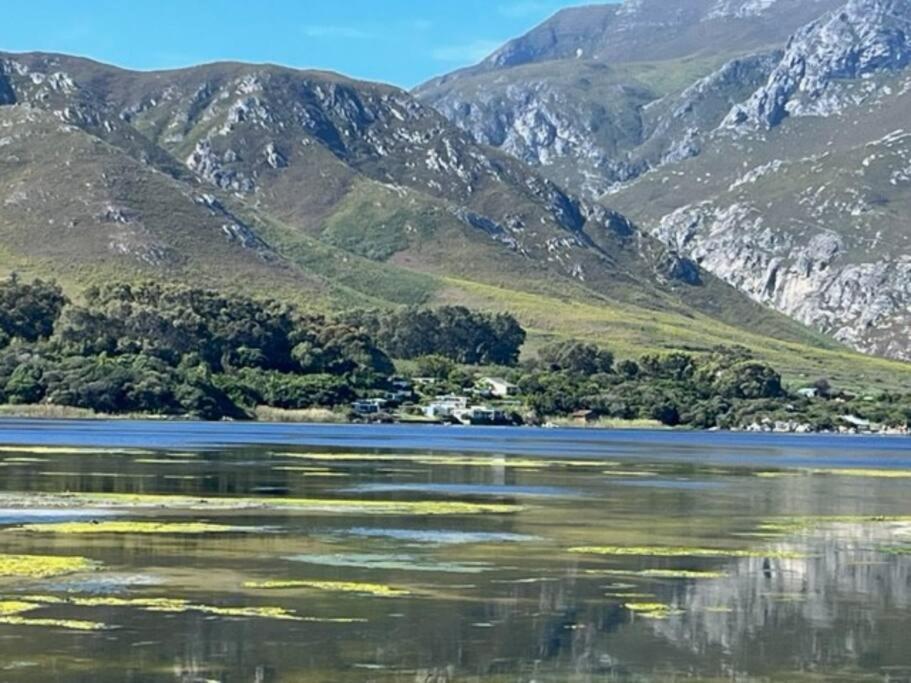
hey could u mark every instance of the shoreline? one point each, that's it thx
(264, 415)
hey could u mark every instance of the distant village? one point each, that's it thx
(493, 401)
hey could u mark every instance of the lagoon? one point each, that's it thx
(178, 551)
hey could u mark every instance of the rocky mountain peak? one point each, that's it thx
(854, 42)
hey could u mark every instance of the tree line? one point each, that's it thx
(153, 348)
(177, 350)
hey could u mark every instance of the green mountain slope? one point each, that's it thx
(776, 156)
(332, 193)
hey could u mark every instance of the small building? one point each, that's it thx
(446, 406)
(399, 396)
(365, 407)
(499, 387)
(481, 415)
(856, 422)
(585, 416)
(400, 384)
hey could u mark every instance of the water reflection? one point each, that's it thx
(846, 604)
(488, 593)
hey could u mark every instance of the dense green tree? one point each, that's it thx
(749, 380)
(673, 366)
(29, 311)
(576, 357)
(435, 366)
(455, 332)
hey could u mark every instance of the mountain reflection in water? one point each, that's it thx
(179, 552)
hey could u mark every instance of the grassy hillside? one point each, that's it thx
(631, 331)
(335, 194)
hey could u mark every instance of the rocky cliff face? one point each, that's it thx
(784, 169)
(809, 216)
(824, 59)
(863, 303)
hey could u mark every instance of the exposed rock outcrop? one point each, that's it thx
(863, 37)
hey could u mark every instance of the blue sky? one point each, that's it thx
(398, 41)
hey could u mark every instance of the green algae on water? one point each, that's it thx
(164, 528)
(795, 525)
(666, 551)
(177, 605)
(375, 589)
(325, 505)
(668, 573)
(11, 611)
(43, 566)
(652, 610)
(630, 596)
(69, 624)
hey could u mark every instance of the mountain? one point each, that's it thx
(780, 165)
(336, 193)
(587, 96)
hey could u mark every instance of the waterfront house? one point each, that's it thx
(446, 406)
(499, 387)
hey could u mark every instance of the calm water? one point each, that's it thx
(335, 554)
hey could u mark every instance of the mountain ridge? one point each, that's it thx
(691, 151)
(338, 193)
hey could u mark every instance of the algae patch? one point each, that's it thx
(323, 505)
(665, 551)
(652, 610)
(177, 605)
(150, 528)
(375, 589)
(70, 624)
(11, 611)
(12, 607)
(43, 566)
(665, 573)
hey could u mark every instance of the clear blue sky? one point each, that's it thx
(397, 41)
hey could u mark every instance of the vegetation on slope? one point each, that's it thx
(179, 351)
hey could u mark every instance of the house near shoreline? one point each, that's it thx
(481, 415)
(445, 406)
(498, 387)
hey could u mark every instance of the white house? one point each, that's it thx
(499, 387)
(446, 406)
(480, 415)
